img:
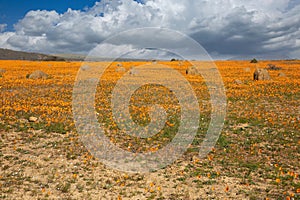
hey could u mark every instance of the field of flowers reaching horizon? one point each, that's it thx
(256, 157)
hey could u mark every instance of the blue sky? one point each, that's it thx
(13, 10)
(225, 28)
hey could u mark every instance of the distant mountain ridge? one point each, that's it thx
(7, 54)
(261, 57)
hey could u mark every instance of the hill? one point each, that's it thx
(7, 54)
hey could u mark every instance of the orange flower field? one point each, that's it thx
(256, 157)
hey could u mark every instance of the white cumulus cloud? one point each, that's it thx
(223, 27)
(2, 27)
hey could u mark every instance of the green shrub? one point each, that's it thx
(254, 61)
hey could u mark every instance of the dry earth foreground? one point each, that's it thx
(256, 157)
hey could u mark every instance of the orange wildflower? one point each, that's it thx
(227, 188)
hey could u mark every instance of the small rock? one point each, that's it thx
(120, 69)
(85, 68)
(261, 75)
(273, 67)
(281, 74)
(133, 72)
(33, 119)
(2, 71)
(23, 121)
(243, 126)
(119, 65)
(247, 69)
(238, 82)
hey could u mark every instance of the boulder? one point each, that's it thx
(192, 71)
(261, 75)
(38, 75)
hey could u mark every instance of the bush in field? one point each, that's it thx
(254, 61)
